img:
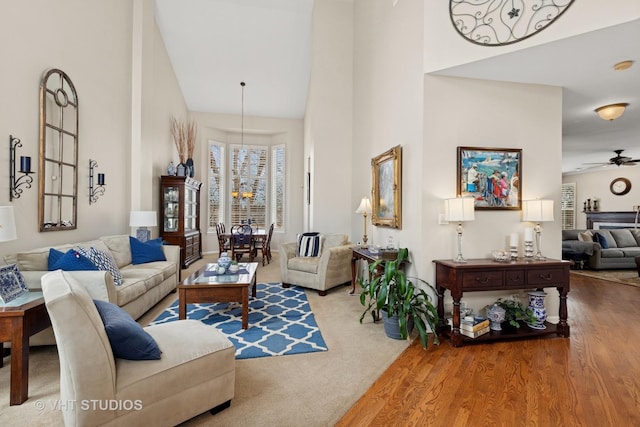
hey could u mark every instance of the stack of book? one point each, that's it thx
(472, 327)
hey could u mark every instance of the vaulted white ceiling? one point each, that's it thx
(213, 45)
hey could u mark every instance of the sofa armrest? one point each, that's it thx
(172, 253)
(98, 283)
(337, 258)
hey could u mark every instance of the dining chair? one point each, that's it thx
(242, 242)
(224, 244)
(264, 246)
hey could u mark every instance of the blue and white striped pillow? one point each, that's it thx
(309, 244)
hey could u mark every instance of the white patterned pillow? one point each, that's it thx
(103, 261)
(309, 245)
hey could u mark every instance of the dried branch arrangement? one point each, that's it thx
(184, 136)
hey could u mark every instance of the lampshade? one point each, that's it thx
(612, 111)
(7, 224)
(459, 209)
(537, 210)
(365, 206)
(143, 219)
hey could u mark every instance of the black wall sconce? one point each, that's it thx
(25, 168)
(97, 191)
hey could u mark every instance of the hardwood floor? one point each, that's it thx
(590, 379)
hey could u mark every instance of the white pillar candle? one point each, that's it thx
(514, 239)
(528, 234)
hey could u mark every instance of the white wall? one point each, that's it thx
(388, 106)
(328, 119)
(596, 184)
(394, 103)
(444, 47)
(260, 131)
(91, 41)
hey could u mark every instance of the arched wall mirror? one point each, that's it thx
(58, 167)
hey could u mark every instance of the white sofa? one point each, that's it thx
(332, 268)
(195, 372)
(143, 285)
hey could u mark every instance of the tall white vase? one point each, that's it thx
(536, 304)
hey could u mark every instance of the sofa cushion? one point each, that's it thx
(612, 253)
(144, 252)
(623, 238)
(305, 264)
(119, 247)
(127, 338)
(73, 260)
(605, 241)
(131, 288)
(585, 236)
(104, 261)
(150, 277)
(309, 246)
(333, 240)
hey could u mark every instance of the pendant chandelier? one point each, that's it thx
(243, 191)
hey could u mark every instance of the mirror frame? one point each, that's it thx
(386, 195)
(64, 95)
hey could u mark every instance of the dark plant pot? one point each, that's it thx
(392, 325)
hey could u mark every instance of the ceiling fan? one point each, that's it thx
(619, 160)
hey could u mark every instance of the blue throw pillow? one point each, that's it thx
(54, 256)
(602, 240)
(72, 260)
(127, 338)
(143, 252)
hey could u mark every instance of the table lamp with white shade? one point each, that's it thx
(364, 209)
(7, 224)
(537, 211)
(143, 219)
(459, 209)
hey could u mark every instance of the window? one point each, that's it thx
(277, 186)
(216, 185)
(252, 173)
(568, 206)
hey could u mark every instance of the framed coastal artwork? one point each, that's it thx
(492, 176)
(386, 203)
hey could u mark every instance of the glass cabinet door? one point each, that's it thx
(171, 209)
(189, 209)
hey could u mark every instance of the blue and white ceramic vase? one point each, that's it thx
(224, 261)
(536, 304)
(496, 315)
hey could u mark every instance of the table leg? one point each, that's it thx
(19, 362)
(245, 307)
(182, 304)
(353, 275)
(563, 326)
(456, 336)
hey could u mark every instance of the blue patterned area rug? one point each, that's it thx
(280, 322)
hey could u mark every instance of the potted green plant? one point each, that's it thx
(401, 301)
(516, 312)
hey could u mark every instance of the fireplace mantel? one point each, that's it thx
(627, 219)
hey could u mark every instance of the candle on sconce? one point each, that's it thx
(514, 239)
(100, 179)
(528, 234)
(25, 164)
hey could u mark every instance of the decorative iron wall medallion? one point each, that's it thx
(503, 22)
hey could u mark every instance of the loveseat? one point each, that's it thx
(329, 268)
(604, 248)
(142, 287)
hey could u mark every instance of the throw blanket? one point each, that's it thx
(578, 246)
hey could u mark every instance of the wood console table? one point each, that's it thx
(488, 275)
(369, 257)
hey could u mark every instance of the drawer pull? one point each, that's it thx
(482, 279)
(548, 277)
(515, 279)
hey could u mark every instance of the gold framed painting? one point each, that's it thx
(386, 194)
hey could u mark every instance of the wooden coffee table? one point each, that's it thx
(19, 320)
(204, 286)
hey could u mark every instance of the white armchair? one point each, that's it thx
(196, 371)
(332, 268)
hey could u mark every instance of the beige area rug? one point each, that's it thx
(626, 277)
(314, 389)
